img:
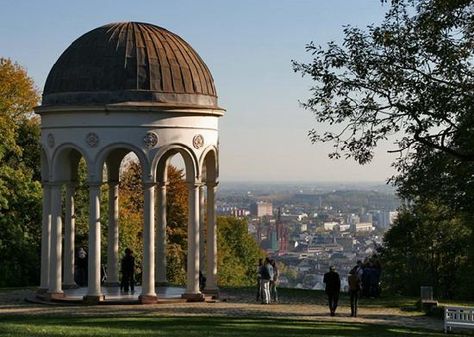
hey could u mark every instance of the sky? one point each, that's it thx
(248, 45)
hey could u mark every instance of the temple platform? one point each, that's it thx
(112, 296)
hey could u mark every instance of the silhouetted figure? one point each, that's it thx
(370, 281)
(333, 287)
(354, 290)
(81, 268)
(359, 269)
(202, 281)
(366, 280)
(128, 271)
(274, 282)
(378, 273)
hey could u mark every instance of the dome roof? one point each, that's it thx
(130, 62)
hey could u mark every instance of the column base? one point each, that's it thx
(93, 299)
(162, 284)
(214, 293)
(41, 291)
(193, 297)
(112, 284)
(70, 286)
(148, 299)
(54, 296)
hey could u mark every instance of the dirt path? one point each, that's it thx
(12, 303)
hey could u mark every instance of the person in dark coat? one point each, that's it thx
(354, 290)
(274, 282)
(266, 272)
(81, 268)
(333, 287)
(202, 281)
(128, 271)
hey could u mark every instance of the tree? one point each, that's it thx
(177, 226)
(411, 75)
(238, 253)
(434, 176)
(20, 188)
(131, 210)
(131, 218)
(427, 245)
(18, 96)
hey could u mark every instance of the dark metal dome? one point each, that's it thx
(130, 62)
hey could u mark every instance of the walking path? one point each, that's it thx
(12, 303)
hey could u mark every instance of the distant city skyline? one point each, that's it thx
(248, 46)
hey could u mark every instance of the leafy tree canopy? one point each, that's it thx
(18, 96)
(428, 245)
(238, 253)
(410, 75)
(20, 189)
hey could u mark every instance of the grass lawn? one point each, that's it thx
(297, 315)
(291, 295)
(192, 326)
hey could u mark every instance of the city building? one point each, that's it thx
(329, 226)
(261, 208)
(364, 227)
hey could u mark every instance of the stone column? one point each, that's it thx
(202, 229)
(192, 287)
(94, 293)
(69, 231)
(161, 236)
(55, 271)
(45, 239)
(113, 236)
(148, 294)
(211, 283)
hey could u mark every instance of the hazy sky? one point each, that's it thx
(248, 46)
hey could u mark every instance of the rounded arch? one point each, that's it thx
(161, 160)
(209, 164)
(65, 161)
(113, 155)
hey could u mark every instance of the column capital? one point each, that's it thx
(95, 184)
(72, 184)
(148, 184)
(194, 184)
(162, 183)
(45, 184)
(53, 184)
(210, 184)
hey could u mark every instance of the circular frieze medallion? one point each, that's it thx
(50, 140)
(92, 139)
(198, 141)
(150, 140)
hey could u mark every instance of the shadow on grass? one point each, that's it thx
(192, 326)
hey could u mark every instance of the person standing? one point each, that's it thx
(202, 281)
(128, 271)
(354, 290)
(274, 282)
(81, 267)
(266, 272)
(359, 269)
(333, 287)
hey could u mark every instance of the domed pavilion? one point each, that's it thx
(121, 88)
